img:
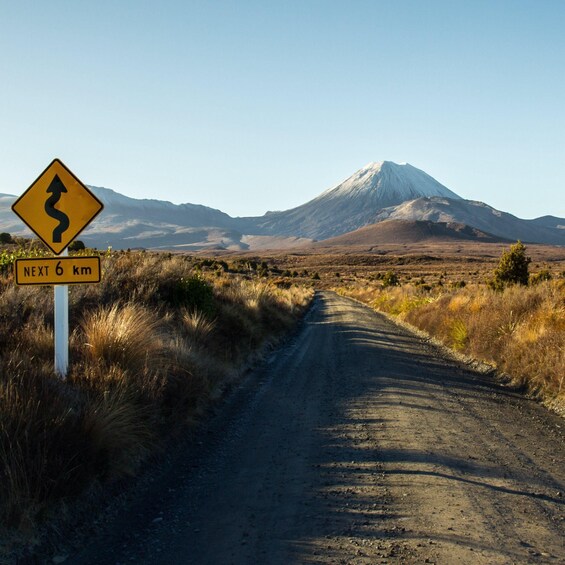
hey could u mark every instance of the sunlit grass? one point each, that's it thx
(520, 330)
(149, 347)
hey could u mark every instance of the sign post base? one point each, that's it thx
(61, 307)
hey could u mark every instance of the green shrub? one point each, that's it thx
(390, 278)
(76, 245)
(512, 268)
(194, 293)
(544, 275)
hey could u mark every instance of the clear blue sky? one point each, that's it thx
(250, 106)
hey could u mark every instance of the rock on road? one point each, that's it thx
(357, 442)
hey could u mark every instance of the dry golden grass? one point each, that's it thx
(520, 330)
(149, 347)
(127, 336)
(451, 261)
(117, 427)
(197, 325)
(41, 444)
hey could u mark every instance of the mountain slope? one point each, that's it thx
(409, 231)
(155, 211)
(354, 202)
(478, 215)
(9, 222)
(550, 222)
(130, 222)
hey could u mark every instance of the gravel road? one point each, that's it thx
(357, 442)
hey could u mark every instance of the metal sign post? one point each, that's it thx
(57, 207)
(61, 296)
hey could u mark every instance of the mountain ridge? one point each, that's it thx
(477, 214)
(354, 201)
(377, 192)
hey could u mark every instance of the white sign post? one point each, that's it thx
(61, 296)
(57, 207)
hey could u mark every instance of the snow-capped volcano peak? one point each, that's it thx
(357, 200)
(386, 181)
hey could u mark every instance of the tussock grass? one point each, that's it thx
(117, 427)
(124, 335)
(520, 330)
(197, 325)
(150, 346)
(42, 452)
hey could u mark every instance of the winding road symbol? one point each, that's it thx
(56, 188)
(57, 206)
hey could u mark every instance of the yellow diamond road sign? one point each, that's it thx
(57, 206)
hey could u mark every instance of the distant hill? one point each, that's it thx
(409, 231)
(480, 216)
(130, 222)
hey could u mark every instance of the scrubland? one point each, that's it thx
(443, 289)
(163, 335)
(150, 346)
(520, 330)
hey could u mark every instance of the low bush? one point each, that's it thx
(543, 275)
(390, 278)
(512, 268)
(192, 292)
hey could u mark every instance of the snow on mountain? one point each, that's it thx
(479, 215)
(355, 202)
(388, 181)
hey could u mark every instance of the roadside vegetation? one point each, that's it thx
(151, 345)
(514, 320)
(163, 335)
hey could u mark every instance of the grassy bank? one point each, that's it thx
(150, 346)
(520, 330)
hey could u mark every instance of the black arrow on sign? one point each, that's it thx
(56, 188)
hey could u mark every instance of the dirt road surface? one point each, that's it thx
(355, 443)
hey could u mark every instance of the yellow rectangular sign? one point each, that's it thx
(57, 270)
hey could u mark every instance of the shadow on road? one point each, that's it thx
(384, 371)
(355, 442)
